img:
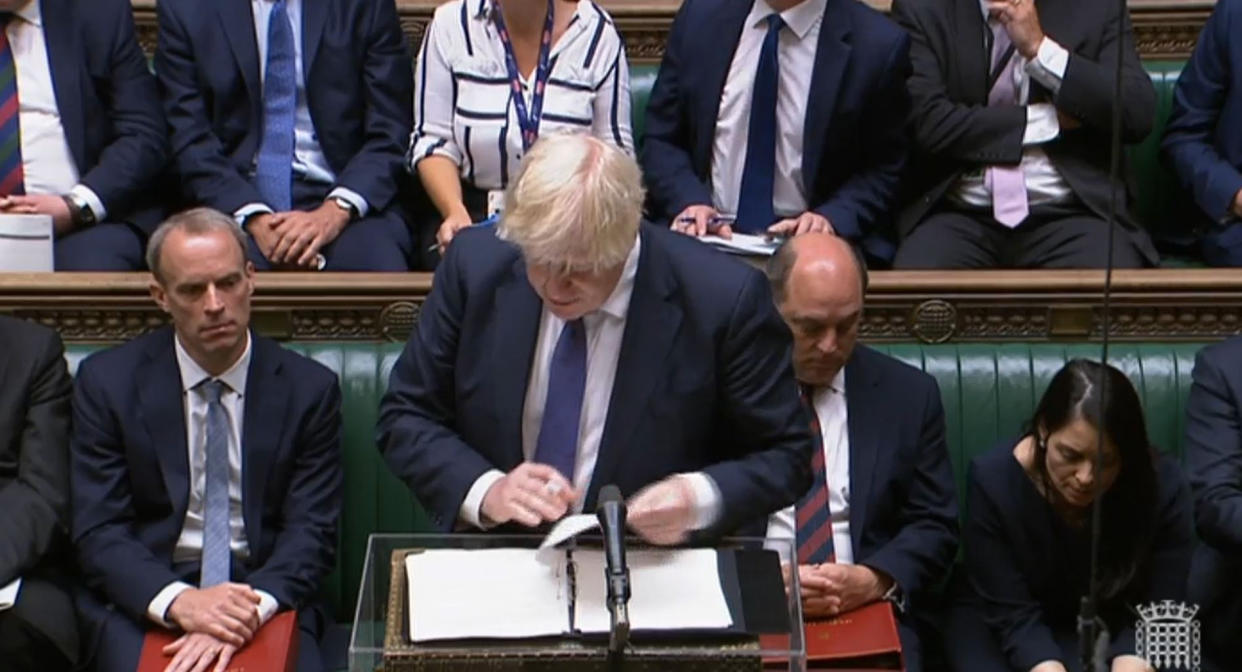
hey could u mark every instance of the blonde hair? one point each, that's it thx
(575, 203)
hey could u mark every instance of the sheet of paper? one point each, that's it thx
(743, 243)
(569, 527)
(25, 243)
(488, 593)
(8, 594)
(669, 590)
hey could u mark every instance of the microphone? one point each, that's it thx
(611, 513)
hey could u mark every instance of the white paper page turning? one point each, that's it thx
(744, 243)
(490, 593)
(8, 594)
(569, 527)
(670, 590)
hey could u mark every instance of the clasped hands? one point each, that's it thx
(699, 220)
(293, 240)
(830, 588)
(532, 494)
(217, 621)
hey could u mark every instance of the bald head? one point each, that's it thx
(818, 281)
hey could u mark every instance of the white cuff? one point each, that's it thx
(1049, 65)
(707, 499)
(356, 200)
(471, 507)
(92, 199)
(157, 611)
(267, 606)
(781, 531)
(248, 210)
(1041, 124)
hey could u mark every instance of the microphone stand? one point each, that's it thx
(611, 513)
(1093, 634)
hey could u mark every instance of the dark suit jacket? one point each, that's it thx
(130, 472)
(34, 474)
(108, 105)
(854, 141)
(1202, 142)
(955, 130)
(359, 88)
(704, 381)
(903, 503)
(1213, 446)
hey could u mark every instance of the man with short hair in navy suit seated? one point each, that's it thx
(82, 135)
(570, 348)
(294, 117)
(205, 468)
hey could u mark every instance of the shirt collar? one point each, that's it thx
(192, 374)
(800, 18)
(838, 382)
(31, 13)
(618, 303)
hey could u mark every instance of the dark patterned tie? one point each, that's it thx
(813, 516)
(12, 178)
(558, 433)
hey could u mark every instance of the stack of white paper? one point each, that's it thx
(744, 244)
(25, 243)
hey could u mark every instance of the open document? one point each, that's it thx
(25, 243)
(744, 244)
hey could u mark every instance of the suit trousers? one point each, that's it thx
(39, 633)
(108, 246)
(1050, 237)
(381, 241)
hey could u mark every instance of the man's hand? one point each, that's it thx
(450, 227)
(807, 222)
(1021, 21)
(700, 220)
(40, 204)
(1066, 122)
(303, 234)
(1236, 206)
(1130, 664)
(1049, 666)
(228, 612)
(194, 652)
(663, 512)
(262, 227)
(530, 494)
(843, 588)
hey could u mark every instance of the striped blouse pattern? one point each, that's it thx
(462, 107)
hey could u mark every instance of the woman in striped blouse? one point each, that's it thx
(492, 76)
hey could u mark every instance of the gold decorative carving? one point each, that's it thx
(934, 321)
(397, 320)
(97, 326)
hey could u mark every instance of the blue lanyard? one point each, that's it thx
(528, 122)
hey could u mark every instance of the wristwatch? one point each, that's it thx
(80, 212)
(346, 206)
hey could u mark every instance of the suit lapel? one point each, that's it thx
(267, 392)
(651, 327)
(515, 330)
(974, 63)
(65, 64)
(831, 56)
(238, 22)
(726, 22)
(864, 417)
(161, 407)
(314, 15)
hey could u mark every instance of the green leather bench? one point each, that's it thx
(989, 390)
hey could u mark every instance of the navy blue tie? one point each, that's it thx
(754, 203)
(274, 172)
(558, 433)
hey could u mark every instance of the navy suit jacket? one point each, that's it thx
(108, 104)
(854, 139)
(1203, 141)
(704, 381)
(130, 472)
(903, 502)
(359, 88)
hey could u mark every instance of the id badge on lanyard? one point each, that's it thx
(528, 118)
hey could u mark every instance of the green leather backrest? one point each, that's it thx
(988, 391)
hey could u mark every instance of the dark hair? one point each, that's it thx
(782, 262)
(196, 221)
(1104, 397)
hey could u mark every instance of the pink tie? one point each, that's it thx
(1007, 183)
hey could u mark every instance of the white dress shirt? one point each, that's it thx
(1044, 183)
(189, 546)
(830, 408)
(604, 330)
(798, 43)
(308, 158)
(47, 162)
(462, 106)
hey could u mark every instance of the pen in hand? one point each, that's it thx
(490, 221)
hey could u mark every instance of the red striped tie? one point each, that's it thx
(12, 178)
(814, 519)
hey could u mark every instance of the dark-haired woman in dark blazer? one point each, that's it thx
(1028, 531)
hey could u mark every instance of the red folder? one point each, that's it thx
(863, 639)
(274, 649)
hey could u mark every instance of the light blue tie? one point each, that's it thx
(274, 172)
(216, 552)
